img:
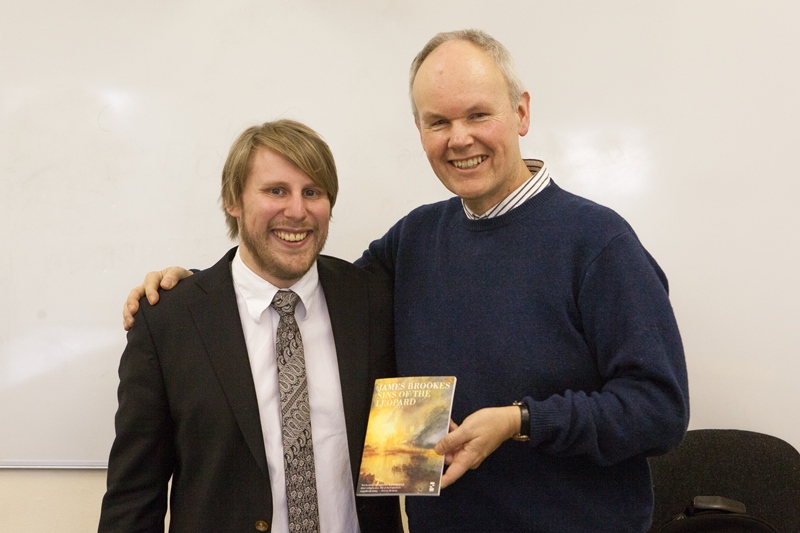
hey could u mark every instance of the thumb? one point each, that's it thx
(448, 443)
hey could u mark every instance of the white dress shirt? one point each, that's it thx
(337, 506)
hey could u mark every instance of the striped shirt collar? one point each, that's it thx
(534, 185)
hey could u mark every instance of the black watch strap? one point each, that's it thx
(525, 422)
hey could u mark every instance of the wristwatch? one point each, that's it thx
(524, 434)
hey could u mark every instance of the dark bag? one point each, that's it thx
(715, 514)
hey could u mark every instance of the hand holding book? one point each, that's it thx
(481, 433)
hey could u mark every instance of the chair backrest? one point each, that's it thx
(759, 470)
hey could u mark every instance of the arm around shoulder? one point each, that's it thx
(164, 279)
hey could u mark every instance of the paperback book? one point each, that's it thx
(407, 418)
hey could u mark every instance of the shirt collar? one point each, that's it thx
(540, 178)
(258, 292)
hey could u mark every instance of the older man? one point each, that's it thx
(250, 384)
(552, 314)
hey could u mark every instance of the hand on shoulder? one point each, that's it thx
(164, 279)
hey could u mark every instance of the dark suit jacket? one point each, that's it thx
(188, 409)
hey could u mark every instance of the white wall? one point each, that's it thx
(115, 118)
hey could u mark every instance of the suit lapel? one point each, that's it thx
(217, 318)
(347, 298)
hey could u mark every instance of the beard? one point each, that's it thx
(285, 265)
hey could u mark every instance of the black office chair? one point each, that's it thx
(759, 470)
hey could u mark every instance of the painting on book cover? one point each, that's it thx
(408, 417)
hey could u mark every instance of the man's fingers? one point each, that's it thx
(152, 281)
(478, 436)
(127, 320)
(131, 307)
(170, 276)
(453, 472)
(447, 443)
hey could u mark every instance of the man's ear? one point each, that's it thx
(234, 210)
(524, 113)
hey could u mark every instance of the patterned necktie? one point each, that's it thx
(298, 450)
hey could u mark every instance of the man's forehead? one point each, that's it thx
(466, 81)
(458, 67)
(268, 164)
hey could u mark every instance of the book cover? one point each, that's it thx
(408, 417)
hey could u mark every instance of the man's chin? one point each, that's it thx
(288, 271)
(471, 186)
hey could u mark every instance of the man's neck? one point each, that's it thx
(536, 178)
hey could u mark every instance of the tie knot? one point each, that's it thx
(285, 302)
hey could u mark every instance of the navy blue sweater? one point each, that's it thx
(556, 302)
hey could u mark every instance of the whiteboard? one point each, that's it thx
(116, 117)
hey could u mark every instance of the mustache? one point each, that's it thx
(293, 226)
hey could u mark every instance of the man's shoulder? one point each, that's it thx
(427, 216)
(585, 212)
(200, 283)
(336, 271)
(335, 263)
(437, 209)
(333, 270)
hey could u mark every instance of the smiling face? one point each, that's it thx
(282, 218)
(468, 127)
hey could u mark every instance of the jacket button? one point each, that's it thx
(261, 525)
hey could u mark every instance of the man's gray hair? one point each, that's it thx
(485, 42)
